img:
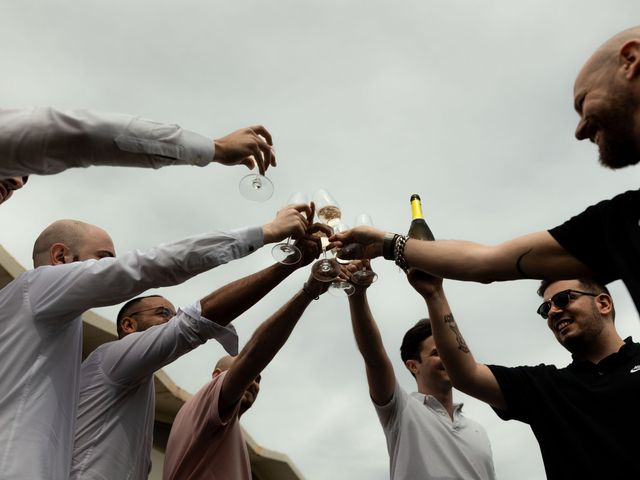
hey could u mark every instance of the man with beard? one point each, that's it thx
(581, 415)
(602, 241)
(117, 395)
(206, 440)
(46, 141)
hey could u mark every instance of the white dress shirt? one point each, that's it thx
(114, 430)
(41, 340)
(45, 141)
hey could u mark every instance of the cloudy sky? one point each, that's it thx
(467, 103)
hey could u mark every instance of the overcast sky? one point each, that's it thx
(467, 103)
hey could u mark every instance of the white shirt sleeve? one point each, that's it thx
(60, 293)
(140, 354)
(45, 141)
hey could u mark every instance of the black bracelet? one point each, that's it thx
(304, 289)
(388, 245)
(399, 253)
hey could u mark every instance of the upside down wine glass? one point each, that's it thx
(256, 187)
(286, 252)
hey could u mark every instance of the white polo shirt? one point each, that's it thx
(114, 430)
(41, 340)
(425, 444)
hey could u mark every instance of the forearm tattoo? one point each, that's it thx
(519, 264)
(449, 320)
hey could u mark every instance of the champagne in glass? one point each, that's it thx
(287, 253)
(326, 269)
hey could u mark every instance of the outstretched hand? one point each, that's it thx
(359, 242)
(291, 221)
(424, 283)
(310, 244)
(248, 146)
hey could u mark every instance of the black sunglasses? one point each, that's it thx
(560, 300)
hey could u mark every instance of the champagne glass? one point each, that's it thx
(341, 288)
(286, 252)
(364, 276)
(256, 187)
(327, 269)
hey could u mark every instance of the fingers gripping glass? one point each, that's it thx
(163, 312)
(287, 253)
(326, 269)
(364, 276)
(560, 300)
(256, 187)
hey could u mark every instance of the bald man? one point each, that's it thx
(206, 440)
(117, 396)
(41, 339)
(602, 241)
(46, 141)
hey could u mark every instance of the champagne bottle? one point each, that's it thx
(419, 228)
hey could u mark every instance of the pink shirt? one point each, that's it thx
(204, 446)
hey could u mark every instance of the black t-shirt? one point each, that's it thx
(606, 238)
(584, 416)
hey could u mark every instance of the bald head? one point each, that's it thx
(66, 241)
(225, 363)
(607, 56)
(606, 95)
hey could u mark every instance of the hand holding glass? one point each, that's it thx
(287, 253)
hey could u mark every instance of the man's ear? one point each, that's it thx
(604, 303)
(216, 372)
(630, 55)
(412, 365)
(59, 254)
(129, 325)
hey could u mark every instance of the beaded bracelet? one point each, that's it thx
(399, 253)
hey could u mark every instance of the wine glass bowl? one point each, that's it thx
(256, 187)
(326, 270)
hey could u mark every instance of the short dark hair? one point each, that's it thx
(412, 340)
(591, 285)
(126, 308)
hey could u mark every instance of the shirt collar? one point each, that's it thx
(433, 402)
(627, 351)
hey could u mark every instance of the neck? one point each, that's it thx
(605, 344)
(442, 392)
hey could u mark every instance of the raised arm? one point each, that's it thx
(64, 291)
(45, 141)
(229, 302)
(266, 341)
(465, 373)
(537, 255)
(380, 375)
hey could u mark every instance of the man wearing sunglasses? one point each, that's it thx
(46, 141)
(582, 415)
(117, 399)
(602, 241)
(41, 325)
(117, 395)
(206, 440)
